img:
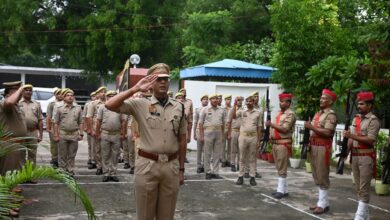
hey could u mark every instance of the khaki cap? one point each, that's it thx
(161, 69)
(213, 96)
(179, 94)
(204, 96)
(12, 84)
(63, 91)
(169, 93)
(92, 94)
(182, 90)
(68, 91)
(228, 96)
(255, 94)
(27, 86)
(101, 89)
(111, 93)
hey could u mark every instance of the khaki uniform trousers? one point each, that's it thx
(320, 170)
(67, 150)
(32, 146)
(235, 153)
(91, 152)
(199, 151)
(280, 153)
(156, 188)
(247, 146)
(129, 149)
(110, 146)
(53, 147)
(226, 148)
(212, 149)
(362, 168)
(97, 148)
(12, 161)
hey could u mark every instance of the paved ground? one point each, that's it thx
(198, 198)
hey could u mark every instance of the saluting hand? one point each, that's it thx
(146, 83)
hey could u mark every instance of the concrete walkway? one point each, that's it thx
(199, 199)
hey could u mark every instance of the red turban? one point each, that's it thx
(329, 93)
(365, 96)
(284, 96)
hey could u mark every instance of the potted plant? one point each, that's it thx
(381, 146)
(295, 159)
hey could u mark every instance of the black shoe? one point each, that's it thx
(52, 161)
(252, 181)
(90, 166)
(120, 160)
(200, 170)
(55, 164)
(126, 166)
(246, 175)
(228, 164)
(99, 171)
(279, 195)
(240, 180)
(114, 179)
(131, 170)
(106, 178)
(223, 164)
(233, 168)
(216, 176)
(238, 167)
(208, 176)
(258, 175)
(186, 160)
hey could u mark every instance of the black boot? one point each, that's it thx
(99, 171)
(252, 181)
(126, 166)
(131, 170)
(240, 180)
(233, 168)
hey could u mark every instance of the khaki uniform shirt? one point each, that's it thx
(227, 110)
(111, 121)
(369, 126)
(33, 113)
(93, 108)
(287, 120)
(212, 116)
(196, 117)
(55, 107)
(68, 117)
(85, 110)
(159, 126)
(327, 120)
(236, 123)
(250, 120)
(13, 120)
(188, 110)
(50, 108)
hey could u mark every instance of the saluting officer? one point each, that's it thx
(91, 123)
(361, 139)
(91, 162)
(211, 129)
(159, 165)
(250, 134)
(233, 134)
(49, 126)
(199, 144)
(68, 130)
(33, 115)
(322, 129)
(13, 120)
(282, 130)
(110, 129)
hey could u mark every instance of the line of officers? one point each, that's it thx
(229, 135)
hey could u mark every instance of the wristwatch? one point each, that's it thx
(182, 169)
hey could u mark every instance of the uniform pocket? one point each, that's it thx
(142, 166)
(174, 166)
(153, 121)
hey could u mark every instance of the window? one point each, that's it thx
(44, 95)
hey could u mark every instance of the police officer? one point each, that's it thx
(13, 121)
(233, 135)
(211, 129)
(282, 130)
(49, 126)
(255, 95)
(199, 145)
(189, 111)
(91, 123)
(170, 94)
(361, 139)
(110, 129)
(91, 162)
(226, 146)
(180, 97)
(159, 165)
(322, 129)
(68, 130)
(33, 116)
(250, 134)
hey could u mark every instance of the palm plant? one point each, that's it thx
(9, 199)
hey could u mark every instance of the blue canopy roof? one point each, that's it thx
(228, 68)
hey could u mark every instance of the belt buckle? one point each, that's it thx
(163, 158)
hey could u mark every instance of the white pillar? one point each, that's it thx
(23, 78)
(63, 81)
